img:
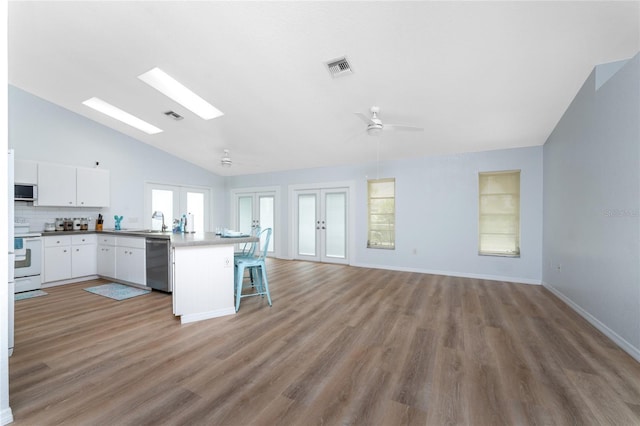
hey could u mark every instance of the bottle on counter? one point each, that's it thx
(84, 224)
(68, 224)
(76, 224)
(183, 223)
(59, 224)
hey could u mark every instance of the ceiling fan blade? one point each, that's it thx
(364, 118)
(402, 127)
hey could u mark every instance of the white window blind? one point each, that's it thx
(382, 213)
(499, 221)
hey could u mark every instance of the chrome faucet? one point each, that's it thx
(158, 214)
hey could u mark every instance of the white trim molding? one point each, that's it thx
(617, 339)
(451, 274)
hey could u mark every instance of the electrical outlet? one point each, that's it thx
(559, 267)
(415, 251)
(227, 262)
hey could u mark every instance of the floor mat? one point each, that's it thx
(117, 291)
(30, 294)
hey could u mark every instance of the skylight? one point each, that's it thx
(172, 88)
(115, 112)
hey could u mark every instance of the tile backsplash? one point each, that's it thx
(36, 217)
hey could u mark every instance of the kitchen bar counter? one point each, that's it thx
(202, 270)
(203, 275)
(177, 239)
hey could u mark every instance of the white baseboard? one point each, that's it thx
(452, 274)
(185, 319)
(617, 339)
(69, 281)
(6, 416)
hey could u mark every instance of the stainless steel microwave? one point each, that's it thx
(25, 192)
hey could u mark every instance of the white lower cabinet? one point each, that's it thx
(83, 255)
(69, 256)
(106, 256)
(109, 256)
(203, 292)
(131, 260)
(57, 258)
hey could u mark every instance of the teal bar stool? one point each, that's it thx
(249, 249)
(257, 265)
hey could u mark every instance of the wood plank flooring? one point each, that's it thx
(341, 345)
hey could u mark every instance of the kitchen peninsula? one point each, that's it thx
(200, 265)
(203, 275)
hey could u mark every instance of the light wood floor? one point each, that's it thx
(341, 345)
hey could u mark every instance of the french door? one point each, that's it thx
(174, 201)
(252, 209)
(321, 224)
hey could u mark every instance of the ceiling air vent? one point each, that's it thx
(174, 115)
(339, 67)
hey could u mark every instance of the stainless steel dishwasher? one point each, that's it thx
(159, 276)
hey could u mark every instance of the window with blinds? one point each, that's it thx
(499, 221)
(382, 213)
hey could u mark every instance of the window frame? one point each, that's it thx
(180, 201)
(391, 230)
(517, 235)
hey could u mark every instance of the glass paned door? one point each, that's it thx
(307, 225)
(321, 225)
(266, 215)
(335, 234)
(195, 202)
(162, 200)
(174, 201)
(245, 219)
(256, 209)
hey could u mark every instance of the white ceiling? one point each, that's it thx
(476, 75)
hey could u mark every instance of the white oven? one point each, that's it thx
(28, 259)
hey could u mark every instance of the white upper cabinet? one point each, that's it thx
(56, 185)
(26, 171)
(60, 185)
(92, 188)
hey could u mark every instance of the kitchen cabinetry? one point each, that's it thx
(83, 255)
(131, 260)
(203, 292)
(57, 258)
(69, 256)
(106, 256)
(56, 185)
(26, 171)
(92, 187)
(68, 186)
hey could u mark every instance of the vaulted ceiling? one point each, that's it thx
(475, 75)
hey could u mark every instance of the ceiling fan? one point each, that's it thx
(375, 126)
(225, 161)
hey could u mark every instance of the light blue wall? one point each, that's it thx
(437, 212)
(437, 197)
(592, 205)
(42, 131)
